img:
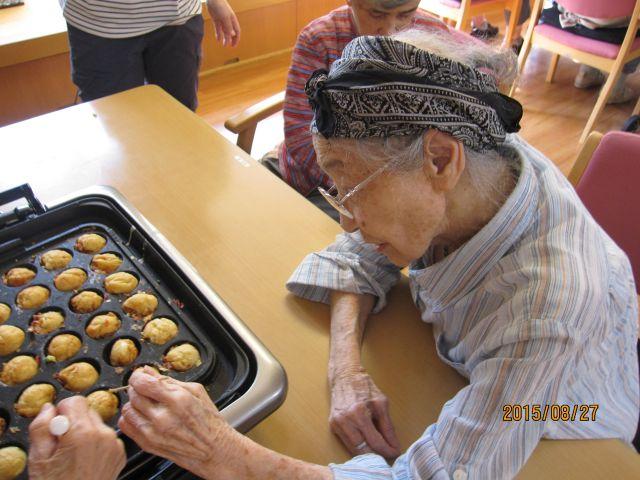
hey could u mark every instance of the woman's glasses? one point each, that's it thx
(338, 202)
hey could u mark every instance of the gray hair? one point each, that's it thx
(405, 153)
(500, 63)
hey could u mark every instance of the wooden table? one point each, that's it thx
(245, 231)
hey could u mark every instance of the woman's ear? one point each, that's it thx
(444, 159)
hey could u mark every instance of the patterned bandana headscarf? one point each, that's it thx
(382, 87)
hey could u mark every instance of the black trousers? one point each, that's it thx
(551, 16)
(168, 57)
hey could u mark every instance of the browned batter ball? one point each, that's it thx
(32, 297)
(90, 243)
(86, 302)
(121, 282)
(160, 330)
(64, 346)
(77, 376)
(46, 322)
(5, 312)
(70, 279)
(11, 338)
(106, 262)
(123, 352)
(103, 325)
(55, 259)
(18, 370)
(33, 398)
(140, 305)
(18, 276)
(13, 461)
(182, 357)
(103, 402)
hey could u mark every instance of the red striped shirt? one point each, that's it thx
(319, 44)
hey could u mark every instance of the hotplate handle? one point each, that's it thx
(19, 213)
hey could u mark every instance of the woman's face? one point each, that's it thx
(399, 211)
(372, 18)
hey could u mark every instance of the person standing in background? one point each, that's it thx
(116, 46)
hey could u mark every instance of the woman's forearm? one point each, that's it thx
(252, 461)
(349, 313)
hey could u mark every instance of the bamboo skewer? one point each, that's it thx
(118, 389)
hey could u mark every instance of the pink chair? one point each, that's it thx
(605, 56)
(608, 183)
(462, 11)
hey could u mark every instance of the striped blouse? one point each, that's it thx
(319, 45)
(127, 18)
(539, 307)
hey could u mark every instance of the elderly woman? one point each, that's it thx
(527, 296)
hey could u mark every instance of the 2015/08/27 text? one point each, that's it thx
(553, 412)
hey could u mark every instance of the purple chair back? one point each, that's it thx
(599, 8)
(610, 189)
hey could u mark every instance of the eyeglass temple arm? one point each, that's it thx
(363, 184)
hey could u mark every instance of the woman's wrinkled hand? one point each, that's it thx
(360, 416)
(89, 449)
(225, 22)
(178, 421)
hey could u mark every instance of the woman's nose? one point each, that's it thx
(390, 27)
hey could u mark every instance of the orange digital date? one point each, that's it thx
(553, 412)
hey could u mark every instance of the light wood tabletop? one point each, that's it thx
(245, 232)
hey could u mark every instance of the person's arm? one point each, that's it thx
(359, 411)
(179, 422)
(349, 314)
(225, 22)
(299, 167)
(354, 279)
(524, 366)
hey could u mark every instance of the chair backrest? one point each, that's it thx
(599, 8)
(609, 188)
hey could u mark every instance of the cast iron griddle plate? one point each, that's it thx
(225, 367)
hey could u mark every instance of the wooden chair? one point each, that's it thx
(245, 122)
(462, 11)
(605, 56)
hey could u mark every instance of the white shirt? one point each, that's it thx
(127, 18)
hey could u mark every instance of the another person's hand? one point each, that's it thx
(89, 449)
(224, 21)
(178, 421)
(360, 416)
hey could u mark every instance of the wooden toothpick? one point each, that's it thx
(118, 389)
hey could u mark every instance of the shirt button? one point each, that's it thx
(459, 475)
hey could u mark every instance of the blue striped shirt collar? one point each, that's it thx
(443, 283)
